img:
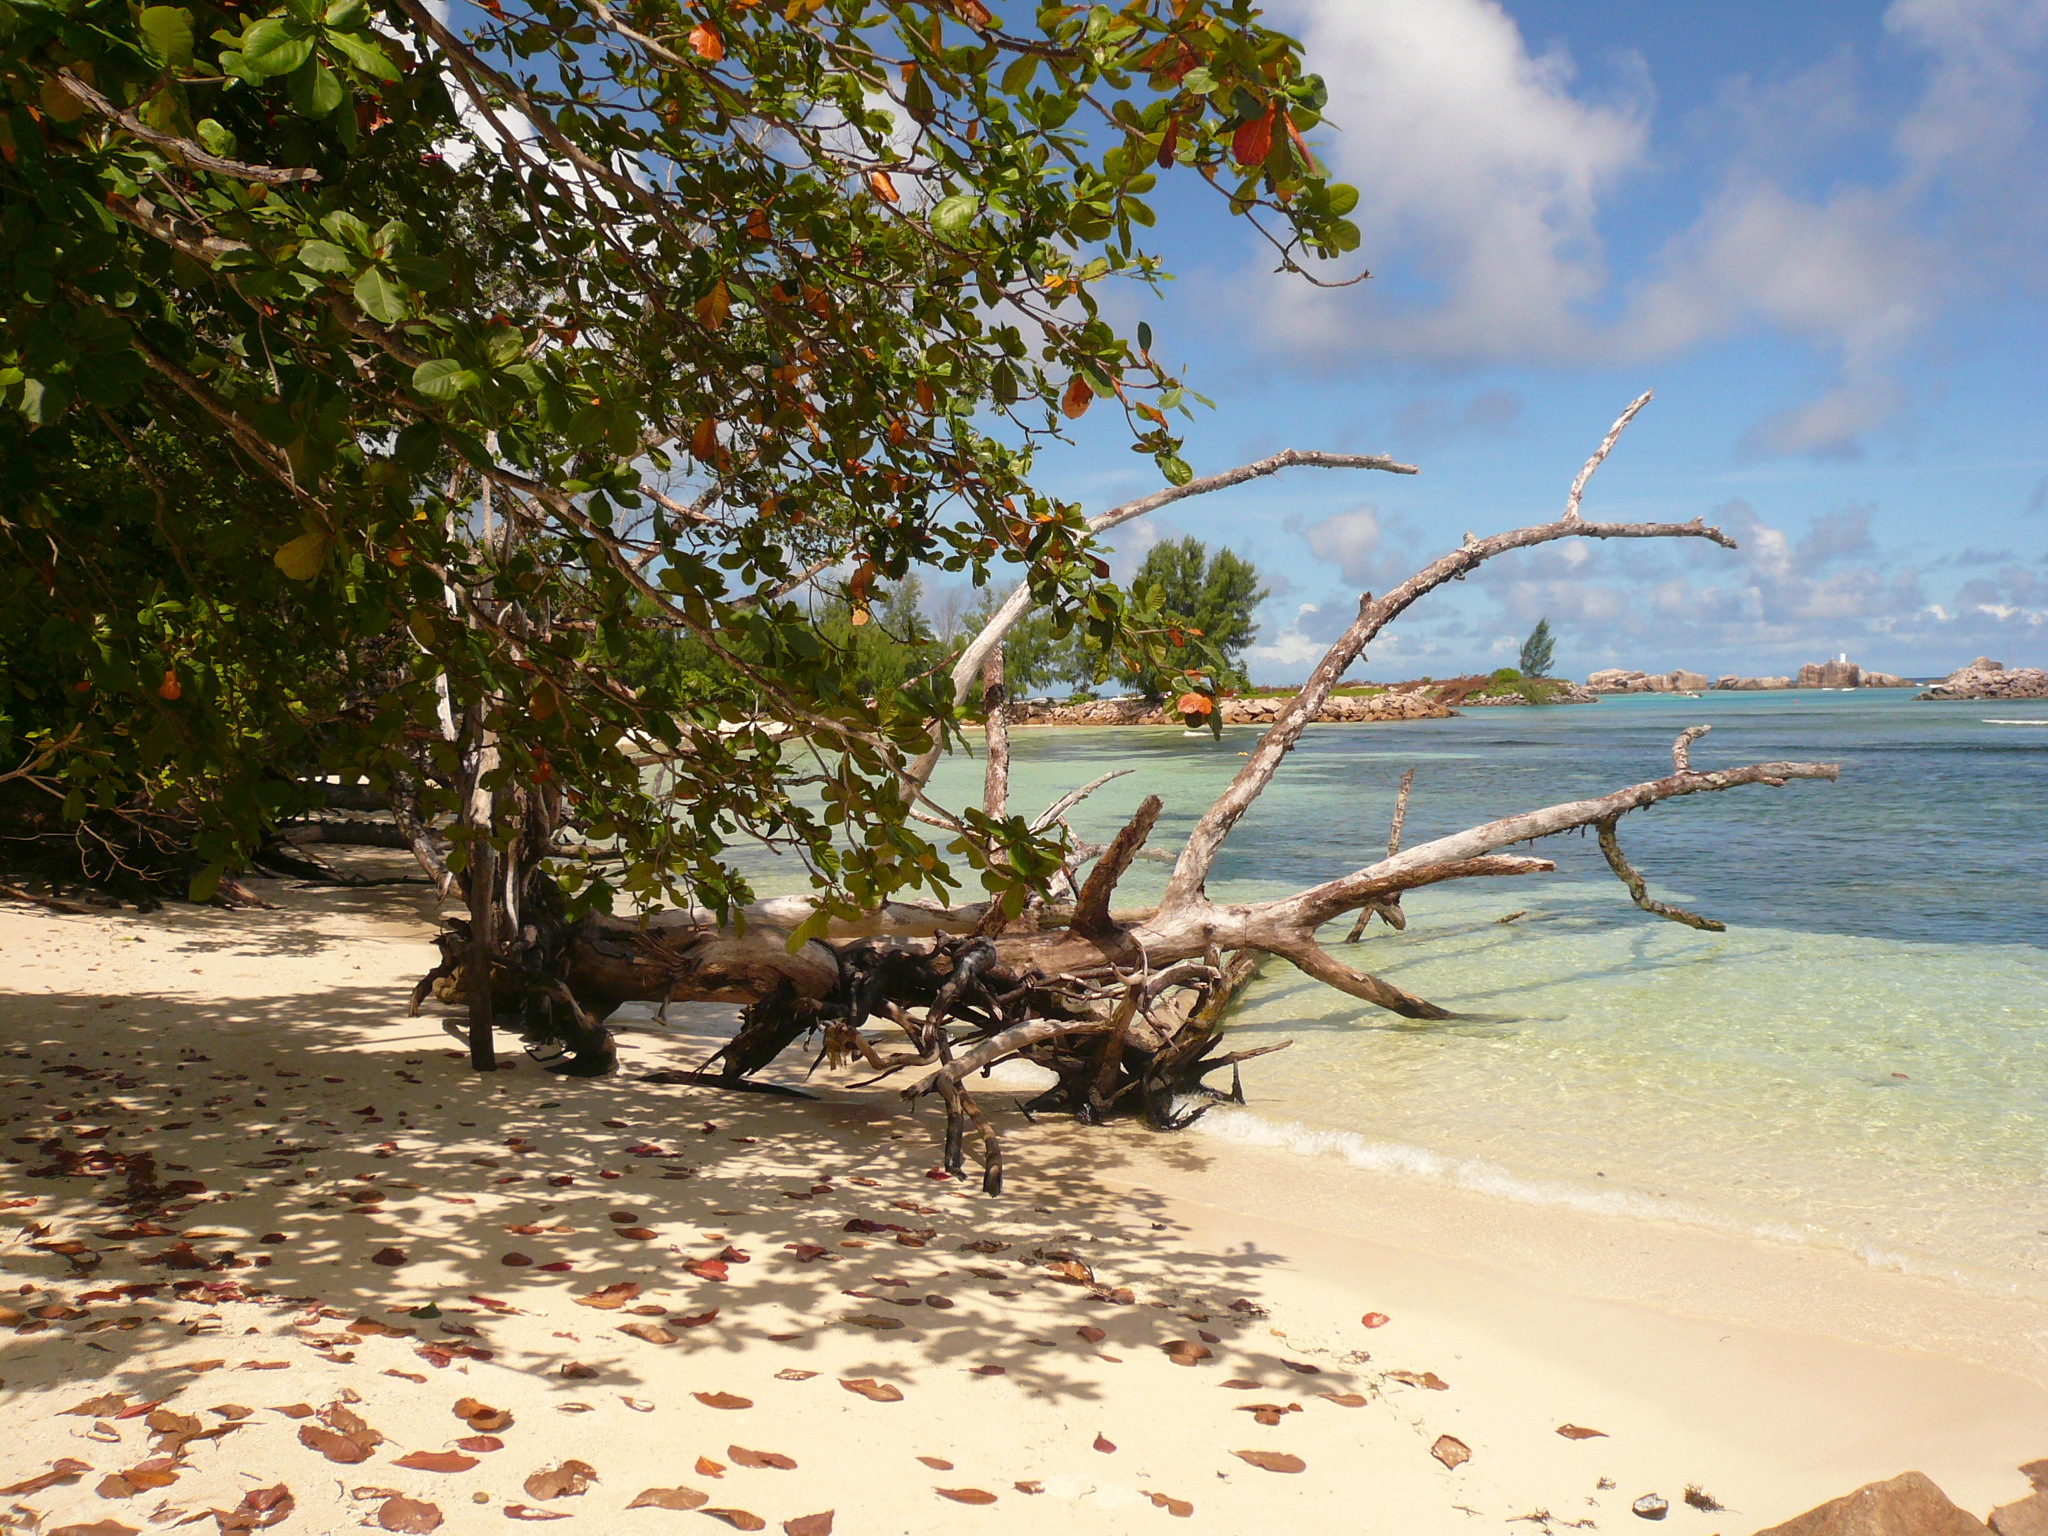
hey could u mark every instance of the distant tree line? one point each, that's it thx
(908, 631)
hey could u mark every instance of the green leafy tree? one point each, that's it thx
(369, 380)
(1198, 597)
(1537, 651)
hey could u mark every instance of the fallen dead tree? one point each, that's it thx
(1125, 1008)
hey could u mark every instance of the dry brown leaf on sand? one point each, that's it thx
(611, 1298)
(791, 1373)
(99, 1407)
(1580, 1432)
(398, 1513)
(563, 1482)
(966, 1495)
(1092, 1334)
(1429, 1379)
(260, 1509)
(1184, 1351)
(1104, 1444)
(1451, 1451)
(870, 1320)
(819, 1524)
(1179, 1508)
(436, 1461)
(576, 1370)
(528, 1512)
(723, 1400)
(1268, 1413)
(739, 1519)
(481, 1416)
(937, 1463)
(346, 1439)
(1343, 1399)
(97, 1528)
(62, 1470)
(874, 1391)
(758, 1459)
(670, 1498)
(480, 1443)
(652, 1333)
(1272, 1461)
(295, 1410)
(706, 1467)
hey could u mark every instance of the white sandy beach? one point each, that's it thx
(354, 1170)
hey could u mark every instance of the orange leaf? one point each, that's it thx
(1075, 402)
(882, 186)
(706, 43)
(170, 688)
(722, 1400)
(966, 1495)
(712, 309)
(704, 440)
(1248, 146)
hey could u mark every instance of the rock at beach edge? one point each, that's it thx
(1906, 1505)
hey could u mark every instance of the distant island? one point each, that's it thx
(1842, 673)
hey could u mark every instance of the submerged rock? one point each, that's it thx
(1907, 1505)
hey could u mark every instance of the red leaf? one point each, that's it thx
(1104, 1444)
(670, 1498)
(399, 1513)
(1272, 1461)
(707, 1269)
(1375, 1319)
(437, 1461)
(1248, 146)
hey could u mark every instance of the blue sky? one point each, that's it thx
(1819, 231)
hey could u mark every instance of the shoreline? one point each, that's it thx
(1774, 1378)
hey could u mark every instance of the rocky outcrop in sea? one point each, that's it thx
(1988, 679)
(1236, 711)
(1827, 674)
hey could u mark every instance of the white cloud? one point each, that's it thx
(1476, 163)
(1348, 540)
(1488, 176)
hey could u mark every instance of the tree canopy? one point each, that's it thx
(369, 378)
(1537, 651)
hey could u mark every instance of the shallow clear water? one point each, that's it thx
(1860, 1061)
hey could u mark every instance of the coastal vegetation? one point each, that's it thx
(461, 417)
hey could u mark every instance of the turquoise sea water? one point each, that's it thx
(1860, 1061)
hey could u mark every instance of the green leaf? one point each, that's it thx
(502, 345)
(167, 29)
(425, 273)
(206, 882)
(1018, 75)
(1144, 337)
(443, 378)
(955, 216)
(1340, 199)
(215, 139)
(379, 297)
(1174, 467)
(315, 90)
(417, 445)
(301, 558)
(349, 229)
(365, 54)
(346, 15)
(812, 927)
(325, 256)
(1199, 80)
(275, 46)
